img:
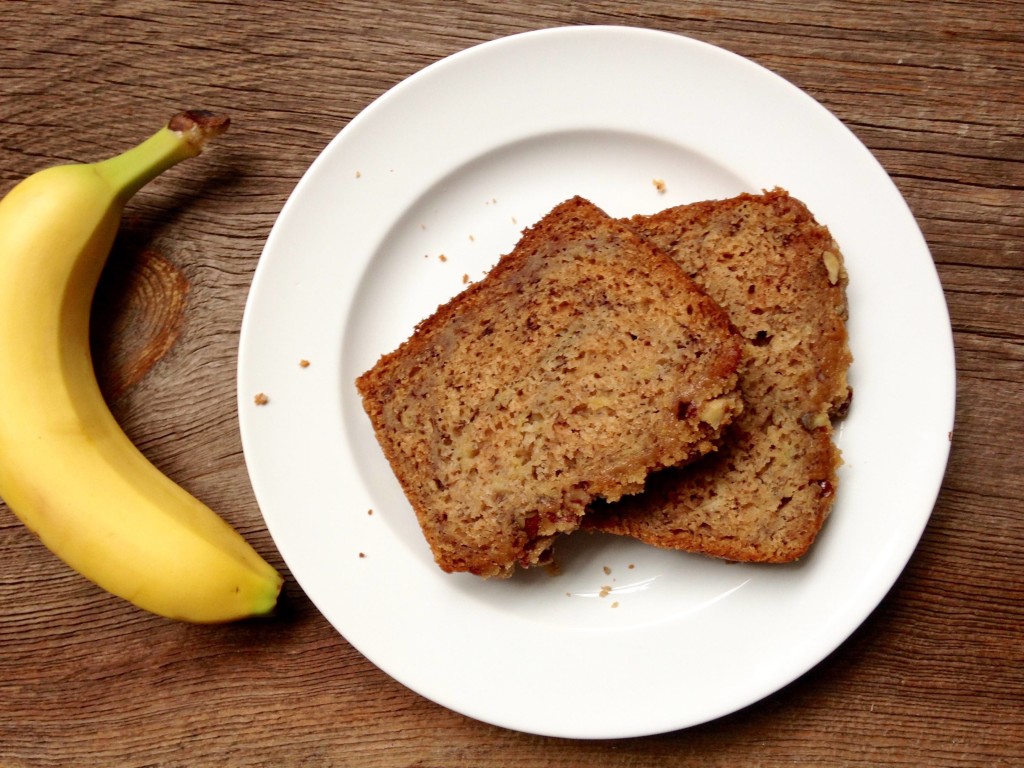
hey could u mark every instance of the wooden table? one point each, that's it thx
(935, 89)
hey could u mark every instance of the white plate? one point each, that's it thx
(456, 160)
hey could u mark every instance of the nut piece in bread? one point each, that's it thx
(584, 359)
(766, 493)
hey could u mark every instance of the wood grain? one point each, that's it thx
(934, 89)
(137, 317)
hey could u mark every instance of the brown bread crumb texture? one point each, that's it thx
(766, 493)
(585, 359)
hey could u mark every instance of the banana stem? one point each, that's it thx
(184, 136)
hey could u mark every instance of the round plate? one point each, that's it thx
(423, 192)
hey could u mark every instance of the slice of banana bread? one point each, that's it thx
(765, 494)
(583, 360)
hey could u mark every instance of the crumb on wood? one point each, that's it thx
(261, 399)
(659, 184)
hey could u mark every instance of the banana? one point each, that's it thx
(67, 469)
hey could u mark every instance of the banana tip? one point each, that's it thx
(198, 126)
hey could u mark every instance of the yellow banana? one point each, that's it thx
(67, 470)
